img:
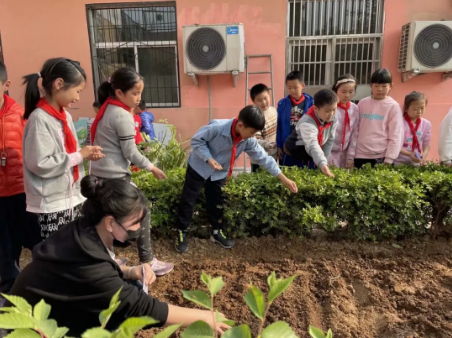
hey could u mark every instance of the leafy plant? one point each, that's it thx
(28, 322)
(166, 156)
(255, 300)
(317, 333)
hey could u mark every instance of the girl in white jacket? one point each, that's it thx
(445, 140)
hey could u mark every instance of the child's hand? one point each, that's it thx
(291, 185)
(326, 171)
(414, 158)
(158, 174)
(280, 153)
(214, 164)
(136, 273)
(350, 164)
(92, 153)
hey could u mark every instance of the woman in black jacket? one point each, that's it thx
(74, 269)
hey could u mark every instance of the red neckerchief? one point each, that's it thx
(311, 112)
(101, 112)
(235, 140)
(346, 107)
(8, 102)
(414, 129)
(70, 143)
(296, 103)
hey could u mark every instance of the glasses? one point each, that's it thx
(117, 222)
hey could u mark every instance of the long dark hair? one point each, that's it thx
(123, 79)
(70, 71)
(111, 197)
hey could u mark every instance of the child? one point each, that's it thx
(445, 140)
(290, 111)
(137, 121)
(96, 107)
(147, 119)
(53, 162)
(417, 131)
(17, 226)
(381, 124)
(345, 140)
(215, 148)
(114, 130)
(260, 95)
(313, 138)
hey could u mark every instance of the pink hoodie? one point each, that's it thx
(381, 129)
(424, 134)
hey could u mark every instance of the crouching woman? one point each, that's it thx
(75, 272)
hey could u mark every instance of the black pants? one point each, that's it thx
(254, 167)
(360, 162)
(18, 228)
(214, 198)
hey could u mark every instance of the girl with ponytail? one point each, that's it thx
(114, 131)
(53, 160)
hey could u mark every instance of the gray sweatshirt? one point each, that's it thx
(116, 135)
(307, 136)
(48, 173)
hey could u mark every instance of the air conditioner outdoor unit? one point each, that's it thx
(214, 49)
(426, 47)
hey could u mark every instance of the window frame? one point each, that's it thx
(94, 46)
(333, 40)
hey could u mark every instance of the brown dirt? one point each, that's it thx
(358, 289)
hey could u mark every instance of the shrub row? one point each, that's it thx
(376, 204)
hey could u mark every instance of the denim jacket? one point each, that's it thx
(215, 141)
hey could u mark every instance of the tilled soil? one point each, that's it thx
(360, 290)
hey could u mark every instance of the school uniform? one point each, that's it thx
(216, 141)
(289, 113)
(445, 140)
(312, 140)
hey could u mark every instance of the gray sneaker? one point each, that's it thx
(161, 268)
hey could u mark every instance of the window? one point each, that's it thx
(142, 36)
(328, 38)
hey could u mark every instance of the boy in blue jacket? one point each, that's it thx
(215, 147)
(290, 110)
(147, 119)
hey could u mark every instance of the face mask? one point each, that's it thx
(131, 235)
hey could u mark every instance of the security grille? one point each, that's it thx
(328, 38)
(142, 36)
(403, 53)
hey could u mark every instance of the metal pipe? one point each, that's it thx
(210, 98)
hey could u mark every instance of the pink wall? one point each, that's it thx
(398, 13)
(33, 31)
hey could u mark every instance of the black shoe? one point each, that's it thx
(181, 242)
(221, 239)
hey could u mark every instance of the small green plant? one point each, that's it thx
(29, 322)
(255, 300)
(165, 156)
(317, 333)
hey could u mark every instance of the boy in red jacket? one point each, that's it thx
(17, 226)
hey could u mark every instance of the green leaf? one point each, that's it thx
(219, 318)
(198, 329)
(98, 332)
(205, 278)
(105, 315)
(20, 303)
(278, 329)
(48, 327)
(198, 297)
(133, 325)
(41, 310)
(315, 332)
(60, 332)
(329, 334)
(167, 332)
(256, 302)
(23, 333)
(11, 321)
(216, 285)
(9, 309)
(242, 331)
(278, 286)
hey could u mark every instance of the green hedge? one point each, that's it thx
(382, 203)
